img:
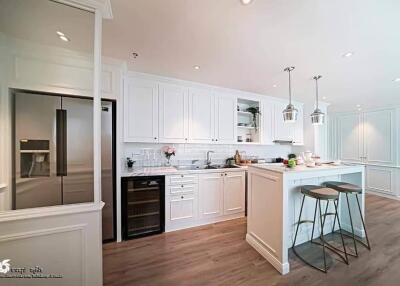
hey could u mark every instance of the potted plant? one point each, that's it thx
(254, 111)
(168, 152)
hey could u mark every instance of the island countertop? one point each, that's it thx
(281, 168)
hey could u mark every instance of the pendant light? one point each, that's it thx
(290, 112)
(317, 117)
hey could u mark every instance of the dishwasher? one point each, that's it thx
(142, 206)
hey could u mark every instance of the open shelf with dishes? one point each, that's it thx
(248, 118)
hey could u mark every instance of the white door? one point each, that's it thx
(283, 130)
(298, 127)
(201, 115)
(182, 208)
(267, 117)
(173, 113)
(225, 119)
(211, 195)
(379, 137)
(140, 110)
(350, 134)
(234, 192)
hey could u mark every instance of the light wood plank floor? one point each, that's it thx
(219, 255)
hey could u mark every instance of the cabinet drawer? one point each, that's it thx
(182, 179)
(183, 188)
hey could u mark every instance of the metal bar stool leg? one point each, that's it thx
(351, 224)
(322, 235)
(313, 226)
(341, 236)
(363, 223)
(298, 222)
(336, 216)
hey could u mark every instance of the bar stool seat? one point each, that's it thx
(319, 193)
(343, 187)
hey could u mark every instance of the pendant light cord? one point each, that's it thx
(316, 90)
(290, 88)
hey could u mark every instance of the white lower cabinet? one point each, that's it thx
(211, 194)
(198, 199)
(234, 192)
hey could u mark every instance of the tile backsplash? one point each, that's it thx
(149, 154)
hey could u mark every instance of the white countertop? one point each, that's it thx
(281, 168)
(162, 171)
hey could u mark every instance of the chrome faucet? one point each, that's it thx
(209, 157)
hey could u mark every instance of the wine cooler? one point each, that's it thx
(142, 206)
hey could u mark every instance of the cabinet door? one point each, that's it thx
(173, 113)
(140, 111)
(234, 192)
(201, 115)
(211, 195)
(283, 130)
(225, 119)
(182, 208)
(267, 128)
(379, 137)
(298, 128)
(350, 133)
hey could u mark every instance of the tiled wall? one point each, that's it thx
(187, 152)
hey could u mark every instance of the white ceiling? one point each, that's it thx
(247, 47)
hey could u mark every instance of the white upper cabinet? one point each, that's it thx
(298, 128)
(350, 133)
(225, 119)
(201, 116)
(173, 113)
(282, 131)
(268, 122)
(379, 137)
(140, 110)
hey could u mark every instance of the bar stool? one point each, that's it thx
(351, 189)
(320, 193)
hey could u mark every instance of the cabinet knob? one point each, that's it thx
(222, 175)
(181, 186)
(212, 139)
(226, 174)
(155, 138)
(181, 197)
(216, 139)
(181, 176)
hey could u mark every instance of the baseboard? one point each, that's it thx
(384, 195)
(200, 222)
(282, 268)
(357, 231)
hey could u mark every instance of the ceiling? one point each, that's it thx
(247, 47)
(237, 46)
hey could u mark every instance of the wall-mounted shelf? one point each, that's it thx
(248, 131)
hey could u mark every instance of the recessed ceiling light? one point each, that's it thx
(274, 85)
(324, 97)
(397, 79)
(64, 38)
(359, 109)
(60, 33)
(246, 2)
(196, 67)
(348, 55)
(358, 105)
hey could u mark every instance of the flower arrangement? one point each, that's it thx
(168, 152)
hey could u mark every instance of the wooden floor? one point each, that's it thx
(219, 255)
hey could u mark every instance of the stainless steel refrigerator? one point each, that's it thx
(53, 156)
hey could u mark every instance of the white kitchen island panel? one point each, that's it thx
(274, 201)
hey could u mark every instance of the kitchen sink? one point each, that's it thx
(204, 167)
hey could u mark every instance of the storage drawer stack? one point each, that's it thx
(181, 201)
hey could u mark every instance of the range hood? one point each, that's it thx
(284, 141)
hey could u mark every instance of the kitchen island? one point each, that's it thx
(274, 201)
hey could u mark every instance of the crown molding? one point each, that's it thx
(91, 5)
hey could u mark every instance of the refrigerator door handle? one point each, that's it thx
(61, 140)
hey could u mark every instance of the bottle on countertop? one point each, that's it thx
(237, 158)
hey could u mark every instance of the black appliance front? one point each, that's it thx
(142, 206)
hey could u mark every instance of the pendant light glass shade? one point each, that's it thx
(290, 112)
(317, 117)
